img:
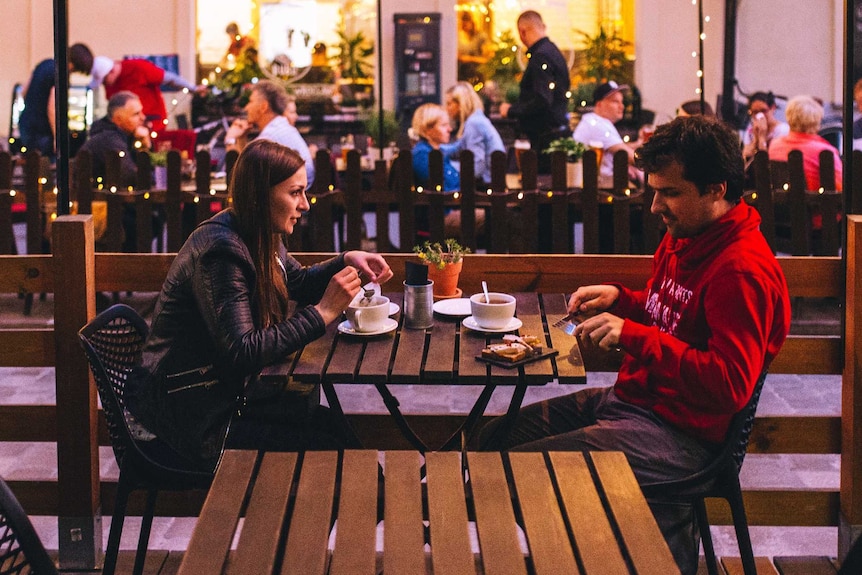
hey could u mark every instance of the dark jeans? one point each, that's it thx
(319, 431)
(596, 420)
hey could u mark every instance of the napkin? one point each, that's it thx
(415, 274)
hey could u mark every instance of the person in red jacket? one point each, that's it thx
(711, 318)
(142, 78)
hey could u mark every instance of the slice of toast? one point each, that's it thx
(506, 351)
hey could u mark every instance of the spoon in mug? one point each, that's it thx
(485, 289)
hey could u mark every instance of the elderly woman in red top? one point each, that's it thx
(804, 114)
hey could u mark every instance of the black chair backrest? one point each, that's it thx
(113, 341)
(21, 550)
(742, 422)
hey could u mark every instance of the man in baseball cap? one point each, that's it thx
(596, 129)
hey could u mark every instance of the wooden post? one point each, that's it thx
(79, 506)
(352, 201)
(850, 523)
(7, 232)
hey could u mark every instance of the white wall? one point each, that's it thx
(788, 46)
(791, 47)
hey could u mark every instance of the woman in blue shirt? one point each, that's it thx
(431, 126)
(475, 131)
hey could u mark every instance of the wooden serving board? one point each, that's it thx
(547, 352)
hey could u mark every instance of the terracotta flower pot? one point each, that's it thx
(445, 280)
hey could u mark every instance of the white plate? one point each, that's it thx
(513, 324)
(347, 327)
(393, 308)
(455, 307)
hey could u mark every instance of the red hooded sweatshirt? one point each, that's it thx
(711, 319)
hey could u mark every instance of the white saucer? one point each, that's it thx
(455, 307)
(513, 324)
(347, 327)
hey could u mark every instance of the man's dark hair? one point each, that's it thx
(708, 150)
(81, 58)
(119, 100)
(694, 107)
(767, 98)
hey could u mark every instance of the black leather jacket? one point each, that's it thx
(204, 344)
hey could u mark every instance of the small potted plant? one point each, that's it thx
(159, 162)
(444, 265)
(391, 128)
(574, 151)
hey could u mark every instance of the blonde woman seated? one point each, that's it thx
(432, 129)
(475, 131)
(804, 114)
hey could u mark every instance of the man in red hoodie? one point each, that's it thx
(711, 318)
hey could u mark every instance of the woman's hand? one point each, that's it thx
(591, 300)
(340, 291)
(371, 266)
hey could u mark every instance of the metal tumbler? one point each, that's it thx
(419, 305)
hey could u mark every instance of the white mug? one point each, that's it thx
(371, 317)
(494, 315)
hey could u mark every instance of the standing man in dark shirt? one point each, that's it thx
(542, 106)
(37, 124)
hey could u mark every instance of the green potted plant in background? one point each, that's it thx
(355, 68)
(391, 128)
(159, 162)
(444, 263)
(502, 71)
(574, 151)
(601, 58)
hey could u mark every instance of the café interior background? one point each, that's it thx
(788, 46)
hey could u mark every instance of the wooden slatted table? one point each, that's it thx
(532, 513)
(441, 355)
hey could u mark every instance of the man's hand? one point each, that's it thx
(236, 132)
(591, 300)
(504, 109)
(603, 331)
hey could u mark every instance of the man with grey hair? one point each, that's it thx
(265, 110)
(120, 132)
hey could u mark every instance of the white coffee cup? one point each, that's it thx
(368, 317)
(494, 315)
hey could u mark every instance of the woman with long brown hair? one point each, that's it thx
(233, 302)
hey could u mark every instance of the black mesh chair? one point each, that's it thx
(718, 479)
(852, 564)
(113, 341)
(21, 550)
